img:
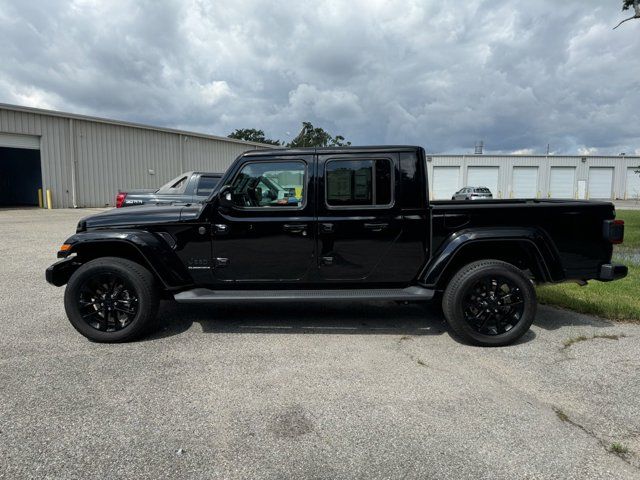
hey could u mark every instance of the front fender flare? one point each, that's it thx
(156, 249)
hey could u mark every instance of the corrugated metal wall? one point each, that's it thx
(54, 149)
(506, 163)
(207, 155)
(109, 156)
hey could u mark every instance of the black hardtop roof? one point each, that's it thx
(334, 150)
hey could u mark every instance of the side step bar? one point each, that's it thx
(203, 295)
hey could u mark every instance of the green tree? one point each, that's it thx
(311, 136)
(627, 5)
(252, 135)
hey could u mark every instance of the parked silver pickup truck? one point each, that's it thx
(188, 187)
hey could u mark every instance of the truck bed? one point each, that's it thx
(575, 226)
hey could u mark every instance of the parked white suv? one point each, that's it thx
(473, 193)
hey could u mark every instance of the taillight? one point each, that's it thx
(120, 199)
(614, 231)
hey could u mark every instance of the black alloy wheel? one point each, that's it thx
(108, 302)
(490, 303)
(493, 305)
(112, 299)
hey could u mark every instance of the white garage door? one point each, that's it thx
(13, 140)
(446, 182)
(524, 183)
(600, 182)
(484, 177)
(562, 182)
(633, 183)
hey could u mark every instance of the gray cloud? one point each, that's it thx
(518, 75)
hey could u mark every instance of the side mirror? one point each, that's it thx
(224, 196)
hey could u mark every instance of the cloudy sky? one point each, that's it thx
(518, 75)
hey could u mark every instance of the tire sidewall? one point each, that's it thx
(456, 308)
(97, 267)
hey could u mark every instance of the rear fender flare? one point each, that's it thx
(533, 239)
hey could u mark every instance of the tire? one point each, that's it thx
(490, 286)
(132, 300)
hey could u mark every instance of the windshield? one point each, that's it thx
(176, 185)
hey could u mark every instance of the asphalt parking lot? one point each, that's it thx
(297, 391)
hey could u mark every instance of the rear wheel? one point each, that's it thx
(490, 303)
(111, 300)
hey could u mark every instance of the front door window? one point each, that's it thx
(269, 184)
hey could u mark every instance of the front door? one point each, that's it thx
(268, 235)
(358, 218)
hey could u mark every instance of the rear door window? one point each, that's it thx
(364, 183)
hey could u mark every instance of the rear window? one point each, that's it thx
(483, 190)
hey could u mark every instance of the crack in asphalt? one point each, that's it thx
(582, 338)
(410, 356)
(563, 417)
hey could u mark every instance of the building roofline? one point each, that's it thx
(122, 123)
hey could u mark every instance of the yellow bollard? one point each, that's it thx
(40, 200)
(49, 200)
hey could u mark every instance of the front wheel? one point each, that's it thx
(111, 300)
(490, 303)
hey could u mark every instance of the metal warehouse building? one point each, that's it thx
(536, 176)
(83, 160)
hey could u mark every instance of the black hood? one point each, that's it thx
(144, 215)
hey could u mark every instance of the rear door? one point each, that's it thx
(358, 218)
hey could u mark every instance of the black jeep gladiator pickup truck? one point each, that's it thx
(327, 225)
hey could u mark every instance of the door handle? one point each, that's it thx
(376, 227)
(221, 229)
(295, 227)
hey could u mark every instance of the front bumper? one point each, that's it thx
(59, 273)
(612, 271)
